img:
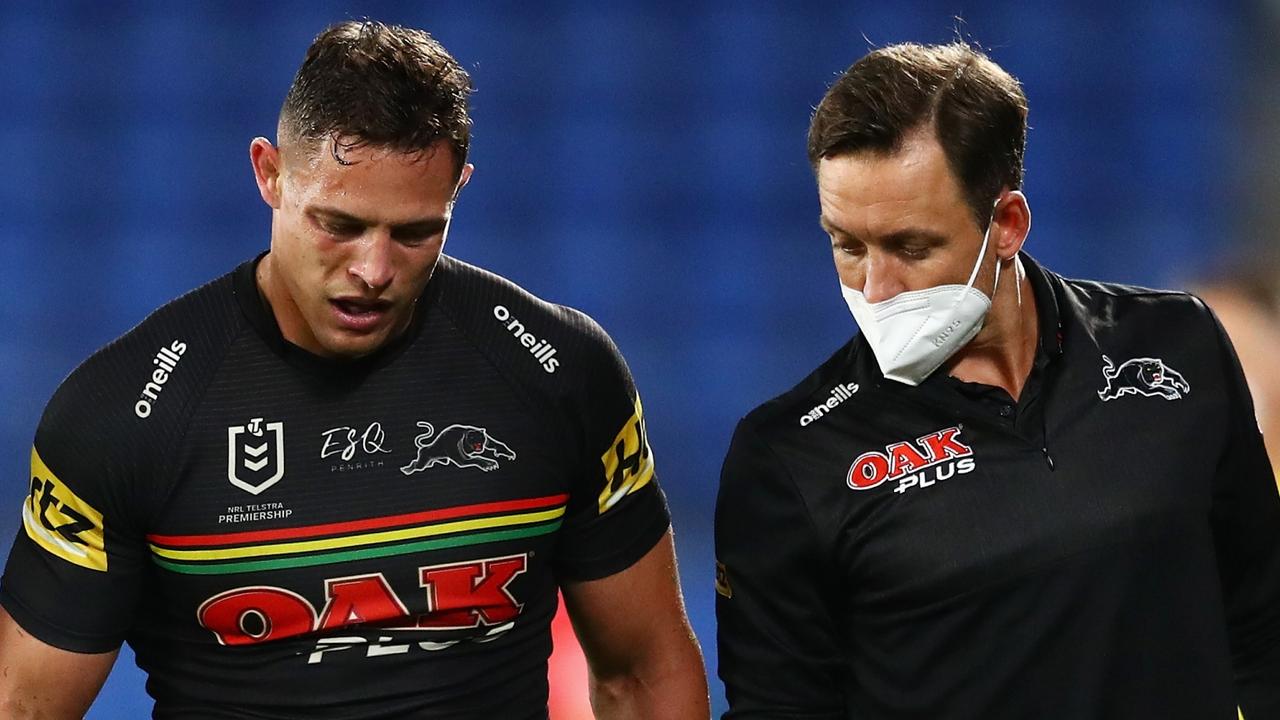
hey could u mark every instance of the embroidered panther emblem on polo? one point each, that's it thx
(1142, 376)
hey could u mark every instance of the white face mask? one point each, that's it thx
(913, 333)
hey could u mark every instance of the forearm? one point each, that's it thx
(33, 707)
(642, 657)
(676, 691)
(60, 697)
(41, 682)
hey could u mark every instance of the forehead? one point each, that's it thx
(373, 182)
(876, 192)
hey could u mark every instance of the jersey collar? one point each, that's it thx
(258, 313)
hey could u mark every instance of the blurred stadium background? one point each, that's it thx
(642, 161)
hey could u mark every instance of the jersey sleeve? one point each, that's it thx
(74, 571)
(616, 511)
(777, 636)
(1246, 522)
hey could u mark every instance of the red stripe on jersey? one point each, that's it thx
(338, 528)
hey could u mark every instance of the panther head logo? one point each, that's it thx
(464, 446)
(1142, 376)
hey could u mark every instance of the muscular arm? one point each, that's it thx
(42, 681)
(643, 659)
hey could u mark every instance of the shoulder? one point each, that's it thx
(517, 328)
(162, 351)
(1130, 321)
(1146, 341)
(771, 442)
(836, 382)
(558, 357)
(765, 477)
(129, 395)
(1112, 303)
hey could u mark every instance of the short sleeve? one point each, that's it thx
(1246, 522)
(616, 511)
(777, 637)
(75, 570)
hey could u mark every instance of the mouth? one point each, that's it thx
(360, 314)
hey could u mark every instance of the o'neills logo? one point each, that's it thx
(927, 460)
(838, 394)
(166, 360)
(541, 350)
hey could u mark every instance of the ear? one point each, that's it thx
(464, 177)
(267, 170)
(1012, 220)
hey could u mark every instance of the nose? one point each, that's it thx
(372, 263)
(881, 280)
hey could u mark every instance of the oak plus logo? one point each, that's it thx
(255, 455)
(464, 601)
(925, 461)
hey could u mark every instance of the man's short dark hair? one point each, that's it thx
(977, 111)
(366, 83)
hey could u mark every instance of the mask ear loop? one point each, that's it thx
(981, 251)
(986, 236)
(1019, 273)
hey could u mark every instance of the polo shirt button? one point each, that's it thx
(1006, 411)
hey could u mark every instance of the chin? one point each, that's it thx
(352, 348)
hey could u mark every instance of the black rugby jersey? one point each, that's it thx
(1106, 547)
(277, 535)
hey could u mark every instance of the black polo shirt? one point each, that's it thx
(1107, 546)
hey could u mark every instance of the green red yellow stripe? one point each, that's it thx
(367, 538)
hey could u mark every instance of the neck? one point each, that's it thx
(1002, 353)
(286, 313)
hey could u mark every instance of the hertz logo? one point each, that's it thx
(57, 520)
(722, 581)
(628, 463)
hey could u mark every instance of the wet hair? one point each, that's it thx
(976, 110)
(366, 83)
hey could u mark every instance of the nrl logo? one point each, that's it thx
(1142, 376)
(255, 455)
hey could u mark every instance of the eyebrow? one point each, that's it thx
(831, 227)
(897, 237)
(420, 225)
(906, 235)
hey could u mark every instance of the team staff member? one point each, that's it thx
(1012, 495)
(347, 478)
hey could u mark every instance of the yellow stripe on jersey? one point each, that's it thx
(349, 541)
(628, 463)
(61, 522)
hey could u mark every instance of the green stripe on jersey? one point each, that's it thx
(208, 568)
